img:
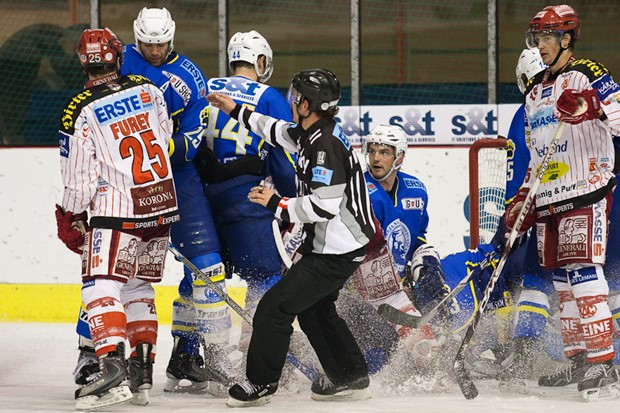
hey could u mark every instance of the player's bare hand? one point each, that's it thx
(260, 195)
(222, 102)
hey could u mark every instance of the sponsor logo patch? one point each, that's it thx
(322, 175)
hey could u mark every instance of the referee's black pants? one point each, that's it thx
(307, 291)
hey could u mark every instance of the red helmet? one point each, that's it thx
(100, 47)
(560, 18)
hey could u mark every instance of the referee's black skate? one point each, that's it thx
(601, 382)
(247, 394)
(567, 374)
(323, 389)
(141, 374)
(110, 387)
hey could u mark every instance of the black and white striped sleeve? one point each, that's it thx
(272, 130)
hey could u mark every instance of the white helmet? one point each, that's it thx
(530, 64)
(248, 47)
(154, 26)
(389, 135)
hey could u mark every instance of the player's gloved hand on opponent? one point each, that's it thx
(513, 209)
(71, 228)
(424, 278)
(567, 108)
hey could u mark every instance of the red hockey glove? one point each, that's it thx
(513, 209)
(71, 228)
(568, 104)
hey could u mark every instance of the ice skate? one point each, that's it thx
(87, 366)
(519, 367)
(601, 382)
(110, 387)
(185, 372)
(222, 367)
(570, 373)
(323, 389)
(248, 394)
(141, 374)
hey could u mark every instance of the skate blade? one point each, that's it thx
(514, 386)
(114, 396)
(216, 390)
(601, 394)
(185, 386)
(140, 398)
(344, 396)
(232, 402)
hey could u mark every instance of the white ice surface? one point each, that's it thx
(36, 361)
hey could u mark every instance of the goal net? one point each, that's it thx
(487, 188)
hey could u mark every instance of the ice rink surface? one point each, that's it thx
(36, 363)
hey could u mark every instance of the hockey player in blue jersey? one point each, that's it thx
(233, 160)
(400, 202)
(198, 314)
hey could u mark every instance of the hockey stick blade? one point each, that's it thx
(309, 371)
(394, 315)
(461, 375)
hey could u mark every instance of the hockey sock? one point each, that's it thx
(532, 314)
(106, 315)
(139, 301)
(212, 313)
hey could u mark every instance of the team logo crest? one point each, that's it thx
(399, 239)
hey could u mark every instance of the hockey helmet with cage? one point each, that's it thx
(389, 135)
(154, 26)
(554, 19)
(530, 63)
(249, 47)
(320, 87)
(100, 48)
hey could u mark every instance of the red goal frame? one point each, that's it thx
(474, 183)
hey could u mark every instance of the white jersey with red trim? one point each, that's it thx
(114, 155)
(584, 156)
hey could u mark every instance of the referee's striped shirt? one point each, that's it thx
(332, 200)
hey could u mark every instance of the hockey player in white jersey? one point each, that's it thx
(573, 200)
(118, 203)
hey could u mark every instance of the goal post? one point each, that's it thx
(487, 188)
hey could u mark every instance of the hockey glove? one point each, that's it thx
(513, 209)
(71, 228)
(568, 104)
(425, 278)
(500, 295)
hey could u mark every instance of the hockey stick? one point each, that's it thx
(462, 377)
(394, 315)
(308, 371)
(277, 236)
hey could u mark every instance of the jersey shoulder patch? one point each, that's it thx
(591, 68)
(73, 108)
(536, 79)
(339, 134)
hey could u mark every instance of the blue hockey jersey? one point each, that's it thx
(518, 154)
(185, 91)
(226, 137)
(404, 220)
